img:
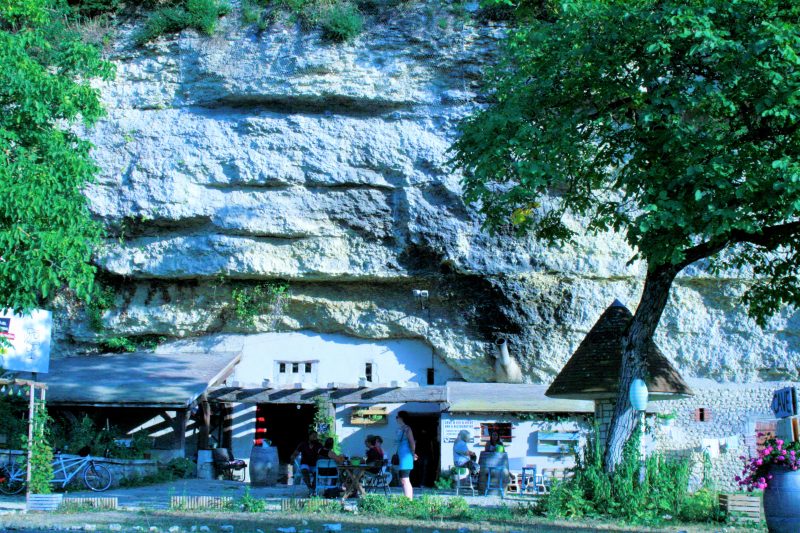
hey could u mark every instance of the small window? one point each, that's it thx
(368, 372)
(295, 368)
(503, 429)
(282, 368)
(308, 368)
(702, 414)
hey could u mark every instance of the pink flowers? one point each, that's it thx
(755, 474)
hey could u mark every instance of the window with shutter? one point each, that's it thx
(702, 414)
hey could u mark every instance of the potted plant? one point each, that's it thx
(40, 496)
(776, 471)
(667, 418)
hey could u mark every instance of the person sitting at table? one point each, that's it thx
(326, 452)
(375, 455)
(308, 451)
(462, 456)
(494, 443)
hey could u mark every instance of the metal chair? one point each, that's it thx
(380, 480)
(297, 476)
(460, 473)
(226, 466)
(327, 475)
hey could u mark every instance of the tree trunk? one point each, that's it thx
(634, 365)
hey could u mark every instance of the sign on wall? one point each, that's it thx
(29, 339)
(451, 428)
(784, 402)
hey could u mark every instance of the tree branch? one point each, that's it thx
(770, 238)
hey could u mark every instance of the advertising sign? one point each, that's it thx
(451, 428)
(784, 402)
(29, 341)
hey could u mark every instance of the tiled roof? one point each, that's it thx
(593, 370)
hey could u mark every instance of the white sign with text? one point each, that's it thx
(28, 341)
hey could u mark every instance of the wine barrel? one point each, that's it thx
(205, 464)
(489, 460)
(264, 466)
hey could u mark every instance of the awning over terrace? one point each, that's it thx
(140, 379)
(337, 396)
(464, 397)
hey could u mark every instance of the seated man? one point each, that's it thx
(462, 456)
(308, 451)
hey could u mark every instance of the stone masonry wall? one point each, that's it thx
(734, 411)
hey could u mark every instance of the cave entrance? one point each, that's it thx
(285, 425)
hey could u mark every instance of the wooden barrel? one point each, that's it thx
(264, 465)
(489, 460)
(205, 464)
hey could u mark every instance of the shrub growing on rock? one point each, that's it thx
(341, 22)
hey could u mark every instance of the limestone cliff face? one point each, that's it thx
(250, 157)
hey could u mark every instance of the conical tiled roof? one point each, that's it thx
(593, 370)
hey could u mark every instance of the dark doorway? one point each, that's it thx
(425, 428)
(285, 424)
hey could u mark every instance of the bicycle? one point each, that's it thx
(96, 477)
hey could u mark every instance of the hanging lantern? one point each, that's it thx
(11, 390)
(638, 394)
(3, 390)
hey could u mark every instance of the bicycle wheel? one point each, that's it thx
(97, 477)
(12, 478)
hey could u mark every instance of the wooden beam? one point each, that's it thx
(205, 422)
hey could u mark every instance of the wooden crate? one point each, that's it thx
(741, 507)
(369, 416)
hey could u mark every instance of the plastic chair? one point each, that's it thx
(460, 473)
(226, 466)
(500, 471)
(543, 482)
(327, 475)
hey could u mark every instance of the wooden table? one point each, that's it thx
(350, 476)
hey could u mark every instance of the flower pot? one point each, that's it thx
(782, 501)
(44, 502)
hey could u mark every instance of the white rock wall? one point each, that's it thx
(247, 157)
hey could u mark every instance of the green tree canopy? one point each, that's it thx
(674, 123)
(47, 235)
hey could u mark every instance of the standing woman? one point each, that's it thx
(405, 453)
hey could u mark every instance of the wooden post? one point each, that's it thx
(31, 408)
(205, 426)
(179, 427)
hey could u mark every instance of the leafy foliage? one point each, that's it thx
(674, 123)
(663, 492)
(341, 22)
(13, 419)
(423, 508)
(71, 438)
(94, 8)
(40, 451)
(47, 235)
(324, 422)
(251, 301)
(201, 15)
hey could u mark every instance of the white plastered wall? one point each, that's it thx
(522, 450)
